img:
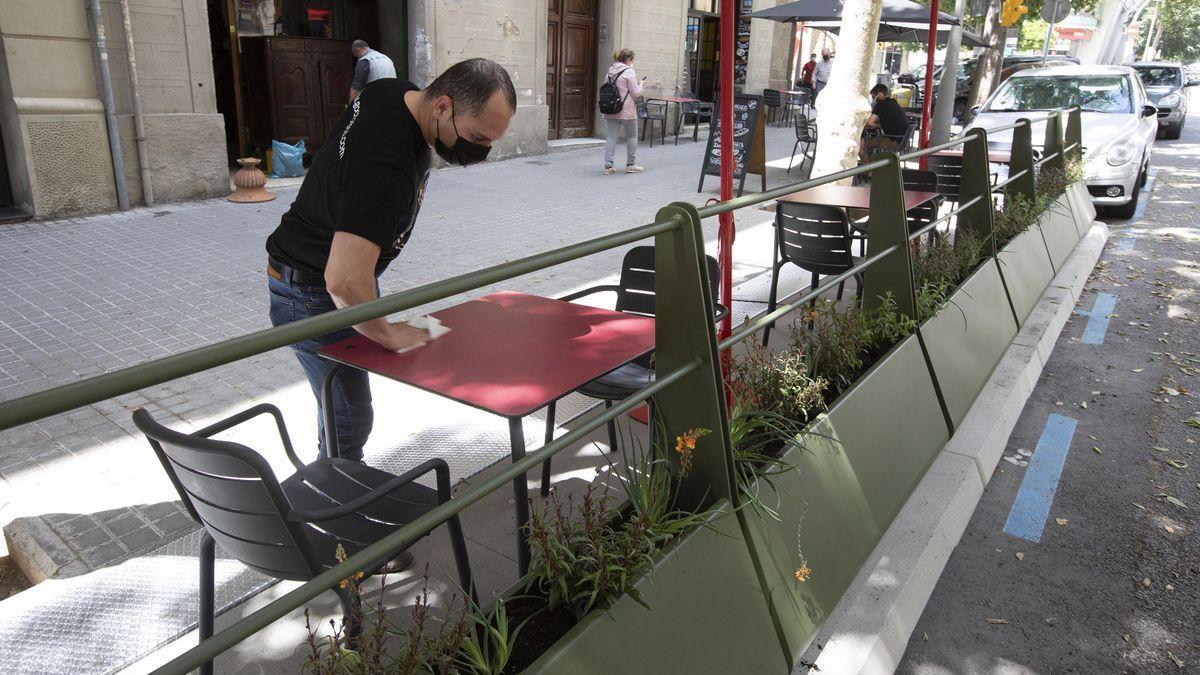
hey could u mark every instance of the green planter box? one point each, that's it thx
(967, 337)
(1026, 269)
(708, 616)
(861, 463)
(1082, 207)
(1060, 230)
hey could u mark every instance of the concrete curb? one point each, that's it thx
(869, 629)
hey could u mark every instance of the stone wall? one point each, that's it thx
(55, 135)
(510, 32)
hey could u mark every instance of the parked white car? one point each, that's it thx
(1118, 124)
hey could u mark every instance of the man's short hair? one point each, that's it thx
(813, 55)
(359, 44)
(881, 89)
(471, 83)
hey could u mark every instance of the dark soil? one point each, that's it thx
(541, 628)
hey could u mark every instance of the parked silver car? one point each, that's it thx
(1118, 123)
(1166, 85)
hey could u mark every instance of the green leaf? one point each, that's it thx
(1161, 449)
(1173, 500)
(1097, 450)
(1177, 464)
(1193, 423)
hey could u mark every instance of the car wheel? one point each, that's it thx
(1126, 211)
(1174, 132)
(960, 109)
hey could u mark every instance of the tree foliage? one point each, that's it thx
(1180, 25)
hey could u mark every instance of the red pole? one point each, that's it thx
(931, 47)
(725, 232)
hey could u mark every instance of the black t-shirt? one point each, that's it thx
(368, 179)
(892, 119)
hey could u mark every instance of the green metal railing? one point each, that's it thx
(688, 389)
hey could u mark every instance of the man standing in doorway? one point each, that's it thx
(357, 207)
(371, 66)
(822, 70)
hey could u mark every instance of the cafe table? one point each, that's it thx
(852, 197)
(679, 101)
(994, 156)
(509, 354)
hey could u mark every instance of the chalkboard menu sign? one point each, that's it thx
(741, 42)
(748, 142)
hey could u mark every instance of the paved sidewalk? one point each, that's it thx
(84, 296)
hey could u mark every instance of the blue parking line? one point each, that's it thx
(1027, 519)
(1097, 325)
(1126, 244)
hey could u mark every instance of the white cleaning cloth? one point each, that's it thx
(430, 325)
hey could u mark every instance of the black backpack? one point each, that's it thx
(610, 98)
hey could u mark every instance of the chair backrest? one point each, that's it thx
(232, 492)
(916, 179)
(806, 129)
(636, 287)
(949, 173)
(813, 237)
(772, 97)
(639, 104)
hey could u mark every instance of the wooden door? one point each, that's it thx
(336, 68)
(571, 67)
(292, 86)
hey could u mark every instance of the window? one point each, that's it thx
(1094, 93)
(1160, 76)
(709, 6)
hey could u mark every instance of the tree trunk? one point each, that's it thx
(987, 74)
(947, 91)
(842, 107)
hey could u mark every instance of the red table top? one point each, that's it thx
(509, 353)
(997, 156)
(674, 99)
(851, 196)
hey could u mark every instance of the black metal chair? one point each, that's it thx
(703, 109)
(635, 295)
(806, 135)
(773, 102)
(799, 103)
(924, 214)
(651, 112)
(291, 530)
(949, 175)
(814, 238)
(903, 141)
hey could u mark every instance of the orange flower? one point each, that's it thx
(685, 445)
(803, 573)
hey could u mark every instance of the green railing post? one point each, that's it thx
(1021, 162)
(976, 187)
(886, 227)
(1075, 134)
(1054, 142)
(685, 331)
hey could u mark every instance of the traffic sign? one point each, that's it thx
(1054, 11)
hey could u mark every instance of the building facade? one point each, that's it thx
(221, 79)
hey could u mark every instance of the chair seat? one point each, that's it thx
(619, 384)
(331, 482)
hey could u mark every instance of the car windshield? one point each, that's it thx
(1094, 93)
(1159, 76)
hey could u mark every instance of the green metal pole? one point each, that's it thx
(888, 227)
(1021, 163)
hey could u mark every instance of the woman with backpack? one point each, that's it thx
(617, 95)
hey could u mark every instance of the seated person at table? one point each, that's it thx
(888, 117)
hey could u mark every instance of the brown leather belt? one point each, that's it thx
(291, 275)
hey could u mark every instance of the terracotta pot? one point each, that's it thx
(250, 183)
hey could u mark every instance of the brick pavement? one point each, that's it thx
(80, 297)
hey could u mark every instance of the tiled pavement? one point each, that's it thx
(84, 296)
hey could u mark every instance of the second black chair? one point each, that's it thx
(814, 238)
(635, 295)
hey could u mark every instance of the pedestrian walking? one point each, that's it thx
(821, 71)
(371, 66)
(356, 210)
(806, 73)
(622, 82)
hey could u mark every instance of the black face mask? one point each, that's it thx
(463, 152)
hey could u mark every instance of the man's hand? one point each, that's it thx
(400, 336)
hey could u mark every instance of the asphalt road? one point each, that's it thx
(1109, 581)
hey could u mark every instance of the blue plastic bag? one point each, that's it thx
(287, 161)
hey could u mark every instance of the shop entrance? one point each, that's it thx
(571, 67)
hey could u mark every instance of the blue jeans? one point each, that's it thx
(351, 390)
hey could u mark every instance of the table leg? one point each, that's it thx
(516, 433)
(327, 413)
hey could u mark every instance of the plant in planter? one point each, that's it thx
(1019, 214)
(839, 344)
(467, 641)
(939, 266)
